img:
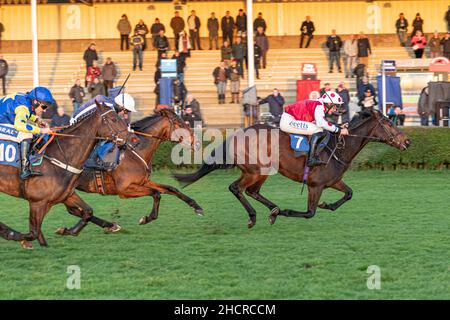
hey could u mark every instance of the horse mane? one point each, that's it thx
(146, 122)
(78, 121)
(360, 118)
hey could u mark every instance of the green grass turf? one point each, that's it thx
(397, 220)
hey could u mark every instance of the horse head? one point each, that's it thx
(384, 129)
(113, 127)
(178, 130)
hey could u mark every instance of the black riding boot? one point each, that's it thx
(313, 156)
(26, 171)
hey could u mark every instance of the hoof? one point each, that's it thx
(26, 244)
(199, 211)
(115, 228)
(61, 231)
(273, 215)
(144, 220)
(323, 205)
(251, 223)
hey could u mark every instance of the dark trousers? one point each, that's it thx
(335, 56)
(418, 53)
(240, 66)
(263, 58)
(108, 84)
(176, 38)
(228, 36)
(124, 39)
(137, 58)
(214, 38)
(195, 38)
(257, 67)
(4, 85)
(310, 36)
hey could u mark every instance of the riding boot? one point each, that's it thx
(313, 156)
(26, 171)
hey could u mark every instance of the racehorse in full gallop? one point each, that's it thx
(60, 169)
(131, 178)
(367, 126)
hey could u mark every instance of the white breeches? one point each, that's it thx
(290, 125)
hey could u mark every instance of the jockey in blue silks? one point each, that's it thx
(22, 110)
(123, 104)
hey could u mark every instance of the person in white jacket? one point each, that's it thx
(351, 55)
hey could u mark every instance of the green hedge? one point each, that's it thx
(430, 149)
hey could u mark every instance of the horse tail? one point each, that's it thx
(209, 166)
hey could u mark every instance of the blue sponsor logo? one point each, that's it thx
(299, 125)
(9, 131)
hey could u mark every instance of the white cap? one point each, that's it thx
(331, 97)
(126, 101)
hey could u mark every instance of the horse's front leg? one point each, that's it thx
(314, 194)
(348, 193)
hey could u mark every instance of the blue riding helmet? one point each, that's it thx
(41, 94)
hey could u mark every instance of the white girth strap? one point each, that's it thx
(143, 161)
(64, 166)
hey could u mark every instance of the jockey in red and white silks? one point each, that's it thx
(307, 117)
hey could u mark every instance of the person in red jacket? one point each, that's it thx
(307, 117)
(93, 72)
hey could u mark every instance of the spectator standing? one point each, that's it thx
(161, 43)
(178, 94)
(94, 72)
(257, 55)
(360, 72)
(96, 88)
(60, 119)
(142, 30)
(447, 18)
(422, 107)
(445, 42)
(342, 91)
(137, 42)
(417, 25)
(307, 29)
(124, 28)
(263, 43)
(418, 43)
(181, 64)
(213, 30)
(184, 45)
(155, 29)
(259, 22)
(109, 73)
(226, 53)
(234, 81)
(221, 75)
(238, 52)
(192, 114)
(76, 93)
(402, 28)
(90, 55)
(227, 25)
(351, 55)
(194, 30)
(364, 49)
(3, 72)
(276, 103)
(326, 88)
(177, 25)
(435, 46)
(241, 24)
(334, 44)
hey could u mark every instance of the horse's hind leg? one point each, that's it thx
(348, 193)
(237, 188)
(165, 189)
(253, 191)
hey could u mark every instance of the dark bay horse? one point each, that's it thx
(365, 127)
(131, 178)
(64, 158)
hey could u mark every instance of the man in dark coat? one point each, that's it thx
(60, 119)
(213, 29)
(90, 55)
(445, 42)
(238, 52)
(307, 29)
(422, 107)
(447, 18)
(241, 24)
(3, 72)
(194, 30)
(417, 25)
(259, 22)
(276, 103)
(142, 30)
(161, 43)
(177, 25)
(334, 44)
(124, 28)
(192, 113)
(154, 30)
(364, 49)
(263, 43)
(109, 73)
(401, 25)
(227, 27)
(257, 54)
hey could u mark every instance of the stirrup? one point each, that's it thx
(313, 162)
(29, 173)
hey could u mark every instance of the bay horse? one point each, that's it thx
(131, 178)
(64, 157)
(366, 126)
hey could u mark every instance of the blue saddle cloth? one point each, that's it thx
(10, 153)
(300, 143)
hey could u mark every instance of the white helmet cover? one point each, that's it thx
(331, 97)
(126, 101)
